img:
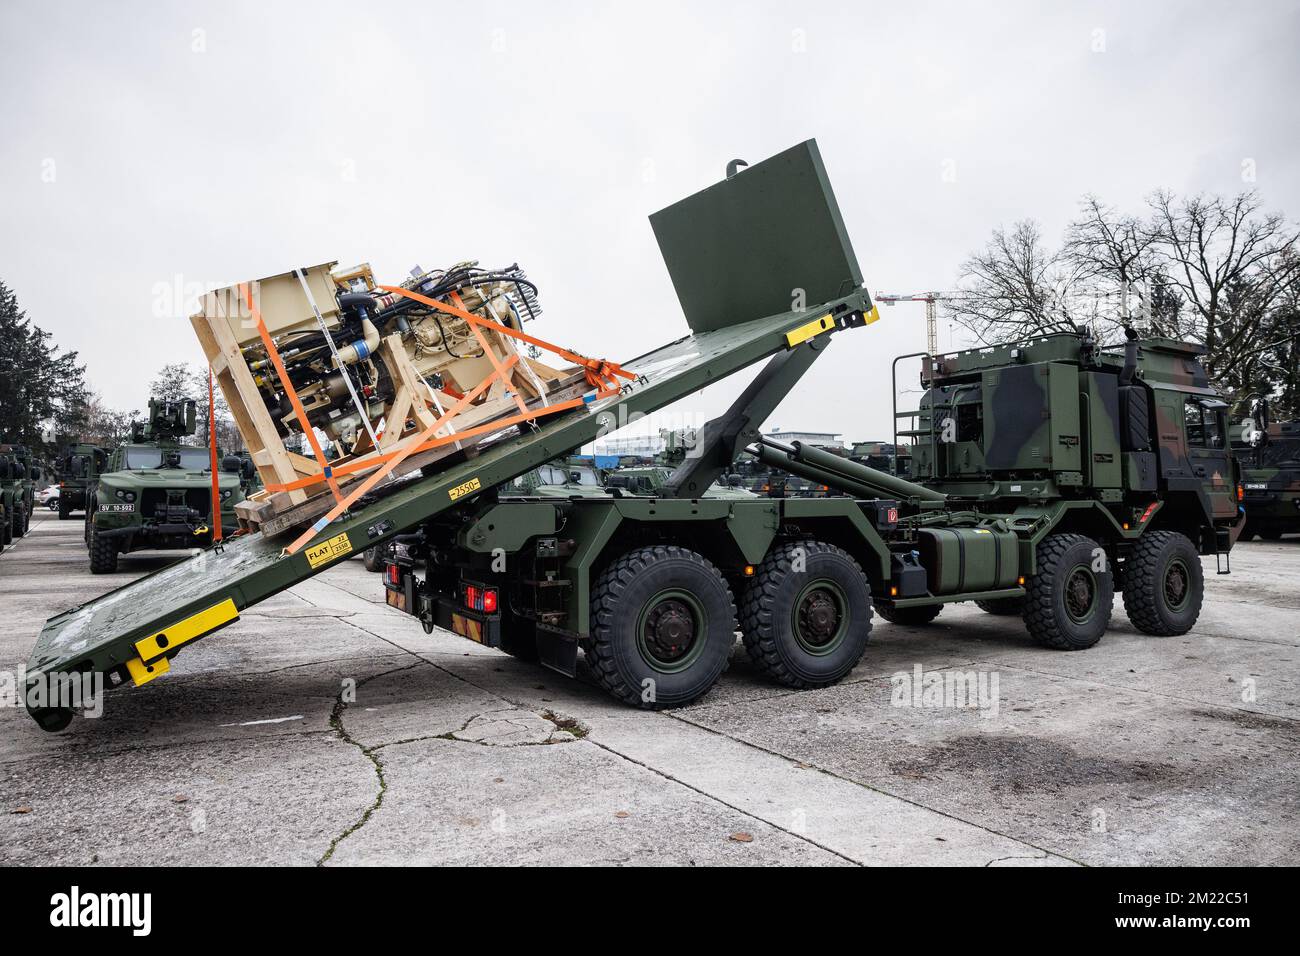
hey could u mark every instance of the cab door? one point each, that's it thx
(1206, 426)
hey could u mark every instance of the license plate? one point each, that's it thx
(1257, 487)
(117, 507)
(396, 599)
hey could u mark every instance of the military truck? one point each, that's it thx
(156, 493)
(1049, 473)
(1270, 459)
(13, 512)
(77, 471)
(18, 472)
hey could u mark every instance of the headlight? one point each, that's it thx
(127, 496)
(227, 493)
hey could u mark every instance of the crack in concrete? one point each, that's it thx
(336, 722)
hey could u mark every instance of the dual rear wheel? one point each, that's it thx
(1068, 602)
(664, 621)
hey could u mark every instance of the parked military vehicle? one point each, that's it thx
(13, 511)
(882, 455)
(77, 471)
(1270, 461)
(652, 479)
(156, 493)
(1047, 473)
(18, 485)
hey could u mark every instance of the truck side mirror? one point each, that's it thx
(232, 465)
(247, 468)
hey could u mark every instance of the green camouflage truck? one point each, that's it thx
(13, 512)
(1049, 474)
(18, 474)
(156, 493)
(1270, 477)
(77, 472)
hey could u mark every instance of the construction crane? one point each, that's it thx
(931, 312)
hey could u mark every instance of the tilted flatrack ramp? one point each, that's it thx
(135, 630)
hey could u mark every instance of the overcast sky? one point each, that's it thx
(148, 149)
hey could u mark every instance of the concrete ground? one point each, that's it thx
(325, 728)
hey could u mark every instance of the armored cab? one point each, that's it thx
(1060, 418)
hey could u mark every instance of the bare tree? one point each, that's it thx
(1113, 255)
(104, 426)
(1015, 288)
(1232, 265)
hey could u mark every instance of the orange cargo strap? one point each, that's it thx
(298, 410)
(212, 452)
(598, 370)
(600, 374)
(426, 439)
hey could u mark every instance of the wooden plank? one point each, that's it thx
(243, 397)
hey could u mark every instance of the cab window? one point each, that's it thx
(1205, 426)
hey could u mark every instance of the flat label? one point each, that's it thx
(326, 551)
(464, 489)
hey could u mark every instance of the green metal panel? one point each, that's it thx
(1101, 403)
(739, 249)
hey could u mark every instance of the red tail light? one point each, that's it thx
(394, 574)
(481, 599)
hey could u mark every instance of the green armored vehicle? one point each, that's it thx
(156, 493)
(18, 474)
(1270, 478)
(78, 472)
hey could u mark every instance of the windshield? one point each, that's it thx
(191, 459)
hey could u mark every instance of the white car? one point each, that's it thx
(49, 497)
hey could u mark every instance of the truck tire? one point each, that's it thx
(103, 554)
(663, 626)
(65, 510)
(1067, 603)
(8, 528)
(372, 560)
(1271, 534)
(806, 628)
(1002, 606)
(909, 616)
(1163, 584)
(20, 520)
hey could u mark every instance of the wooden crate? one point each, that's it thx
(413, 410)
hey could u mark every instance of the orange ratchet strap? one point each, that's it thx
(326, 473)
(212, 451)
(600, 373)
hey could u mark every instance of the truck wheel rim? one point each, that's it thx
(1177, 584)
(670, 631)
(819, 619)
(1080, 595)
